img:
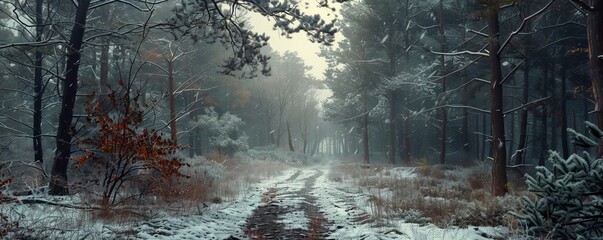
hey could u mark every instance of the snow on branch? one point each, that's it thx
(583, 7)
(512, 71)
(374, 60)
(453, 106)
(527, 104)
(483, 54)
(523, 24)
(32, 44)
(475, 32)
(479, 80)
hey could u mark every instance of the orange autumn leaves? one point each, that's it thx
(119, 144)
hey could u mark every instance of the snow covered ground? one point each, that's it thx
(301, 201)
(351, 215)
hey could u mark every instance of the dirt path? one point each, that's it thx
(304, 203)
(290, 213)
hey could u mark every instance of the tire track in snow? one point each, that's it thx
(287, 213)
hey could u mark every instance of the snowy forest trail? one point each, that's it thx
(303, 203)
(308, 205)
(315, 203)
(289, 213)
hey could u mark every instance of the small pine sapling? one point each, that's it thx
(569, 203)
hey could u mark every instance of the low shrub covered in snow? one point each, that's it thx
(274, 153)
(225, 132)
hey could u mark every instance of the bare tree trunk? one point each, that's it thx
(59, 182)
(544, 119)
(392, 128)
(38, 88)
(364, 124)
(484, 138)
(478, 142)
(594, 25)
(443, 113)
(305, 145)
(511, 135)
(405, 142)
(465, 127)
(465, 132)
(279, 129)
(554, 107)
(523, 127)
(173, 130)
(497, 120)
(289, 138)
(544, 137)
(563, 114)
(104, 67)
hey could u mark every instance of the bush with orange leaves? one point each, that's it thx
(121, 150)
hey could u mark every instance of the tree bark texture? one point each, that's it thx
(443, 113)
(564, 138)
(364, 125)
(58, 181)
(173, 130)
(38, 88)
(104, 68)
(544, 119)
(523, 124)
(594, 26)
(465, 132)
(405, 142)
(497, 121)
(289, 138)
(391, 154)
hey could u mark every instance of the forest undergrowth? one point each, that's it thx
(443, 195)
(208, 180)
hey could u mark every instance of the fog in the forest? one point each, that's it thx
(301, 119)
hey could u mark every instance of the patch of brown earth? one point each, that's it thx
(264, 222)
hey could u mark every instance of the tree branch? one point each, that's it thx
(512, 71)
(483, 54)
(522, 25)
(583, 7)
(526, 105)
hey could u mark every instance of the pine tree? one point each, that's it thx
(569, 202)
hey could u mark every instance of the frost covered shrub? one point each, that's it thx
(273, 153)
(201, 167)
(569, 202)
(225, 132)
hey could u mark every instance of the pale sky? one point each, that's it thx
(298, 43)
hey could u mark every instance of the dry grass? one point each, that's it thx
(198, 190)
(442, 195)
(354, 170)
(436, 172)
(190, 194)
